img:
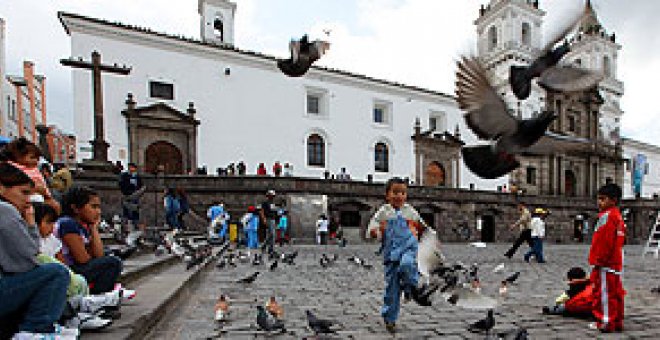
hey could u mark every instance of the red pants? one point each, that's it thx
(608, 299)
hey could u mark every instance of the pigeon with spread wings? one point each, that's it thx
(488, 117)
(551, 75)
(303, 54)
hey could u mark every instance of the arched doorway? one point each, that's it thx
(435, 175)
(570, 186)
(163, 153)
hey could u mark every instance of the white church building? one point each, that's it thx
(188, 103)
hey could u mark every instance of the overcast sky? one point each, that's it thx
(410, 41)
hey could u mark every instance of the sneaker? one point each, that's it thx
(390, 327)
(67, 332)
(87, 321)
(593, 325)
(94, 303)
(126, 294)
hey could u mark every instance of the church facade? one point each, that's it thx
(217, 104)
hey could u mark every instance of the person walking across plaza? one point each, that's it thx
(523, 224)
(268, 216)
(606, 257)
(322, 229)
(538, 233)
(399, 226)
(172, 208)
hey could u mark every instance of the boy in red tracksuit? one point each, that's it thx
(606, 257)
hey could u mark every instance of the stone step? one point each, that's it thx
(157, 294)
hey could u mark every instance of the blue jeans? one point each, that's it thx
(536, 250)
(252, 239)
(102, 273)
(402, 275)
(41, 292)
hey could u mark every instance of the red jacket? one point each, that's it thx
(607, 243)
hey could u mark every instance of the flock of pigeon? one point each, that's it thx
(488, 116)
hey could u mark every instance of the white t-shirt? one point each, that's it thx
(50, 245)
(322, 226)
(538, 227)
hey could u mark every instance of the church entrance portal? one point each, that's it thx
(166, 154)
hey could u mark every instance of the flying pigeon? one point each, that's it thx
(249, 279)
(553, 77)
(429, 257)
(483, 324)
(274, 308)
(268, 323)
(221, 309)
(488, 117)
(319, 325)
(303, 54)
(469, 298)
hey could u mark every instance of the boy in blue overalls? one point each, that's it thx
(398, 225)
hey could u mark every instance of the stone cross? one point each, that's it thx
(99, 145)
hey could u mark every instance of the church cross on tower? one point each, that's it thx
(99, 145)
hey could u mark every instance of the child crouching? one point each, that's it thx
(577, 301)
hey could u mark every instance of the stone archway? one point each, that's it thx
(570, 183)
(165, 154)
(435, 175)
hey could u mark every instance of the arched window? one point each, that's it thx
(492, 38)
(607, 66)
(526, 34)
(218, 28)
(381, 157)
(315, 151)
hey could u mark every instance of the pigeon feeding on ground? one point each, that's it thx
(268, 323)
(513, 277)
(303, 54)
(487, 115)
(249, 279)
(360, 262)
(515, 334)
(273, 265)
(319, 326)
(289, 258)
(503, 288)
(274, 308)
(221, 309)
(553, 77)
(326, 261)
(483, 325)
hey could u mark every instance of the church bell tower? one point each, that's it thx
(217, 21)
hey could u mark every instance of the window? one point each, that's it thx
(437, 121)
(526, 34)
(381, 158)
(161, 90)
(313, 104)
(382, 113)
(571, 123)
(531, 175)
(315, 151)
(379, 114)
(13, 110)
(492, 38)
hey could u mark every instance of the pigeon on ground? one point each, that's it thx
(303, 54)
(268, 323)
(498, 268)
(488, 117)
(221, 309)
(422, 295)
(319, 325)
(289, 258)
(273, 265)
(503, 288)
(483, 325)
(552, 76)
(513, 277)
(274, 308)
(249, 279)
